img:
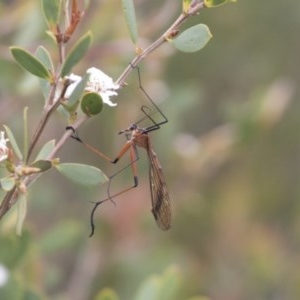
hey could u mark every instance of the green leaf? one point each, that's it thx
(83, 174)
(44, 56)
(212, 3)
(79, 89)
(164, 287)
(25, 132)
(51, 10)
(170, 284)
(30, 63)
(106, 294)
(22, 210)
(91, 104)
(149, 289)
(76, 54)
(7, 183)
(128, 8)
(69, 108)
(13, 142)
(192, 39)
(45, 87)
(43, 165)
(45, 150)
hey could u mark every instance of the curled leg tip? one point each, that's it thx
(92, 232)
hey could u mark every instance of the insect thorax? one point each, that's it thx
(140, 138)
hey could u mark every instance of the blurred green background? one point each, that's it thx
(230, 153)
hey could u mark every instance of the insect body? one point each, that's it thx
(161, 204)
(139, 137)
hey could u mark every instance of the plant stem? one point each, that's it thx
(48, 110)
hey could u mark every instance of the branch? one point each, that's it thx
(163, 38)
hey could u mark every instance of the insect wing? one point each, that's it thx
(161, 203)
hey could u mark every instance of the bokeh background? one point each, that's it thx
(230, 153)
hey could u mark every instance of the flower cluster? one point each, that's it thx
(98, 82)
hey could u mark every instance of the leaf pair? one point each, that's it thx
(41, 65)
(191, 40)
(52, 10)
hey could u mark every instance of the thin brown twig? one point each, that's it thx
(163, 38)
(48, 110)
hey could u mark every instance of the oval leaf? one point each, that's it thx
(82, 174)
(91, 104)
(52, 11)
(45, 87)
(170, 285)
(25, 131)
(212, 3)
(7, 183)
(150, 288)
(193, 39)
(44, 56)
(128, 8)
(45, 150)
(76, 53)
(78, 90)
(22, 210)
(13, 142)
(30, 63)
(43, 165)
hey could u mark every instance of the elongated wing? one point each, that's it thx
(161, 203)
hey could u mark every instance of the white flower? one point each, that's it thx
(3, 147)
(98, 82)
